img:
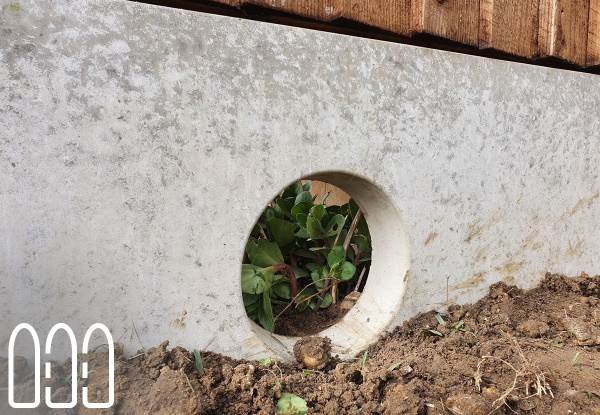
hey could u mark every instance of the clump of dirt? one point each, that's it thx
(515, 351)
(313, 352)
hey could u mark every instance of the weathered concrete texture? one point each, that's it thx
(138, 144)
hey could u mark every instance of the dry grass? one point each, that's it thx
(528, 380)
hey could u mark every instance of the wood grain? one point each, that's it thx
(390, 15)
(324, 10)
(456, 20)
(510, 26)
(232, 3)
(593, 46)
(563, 29)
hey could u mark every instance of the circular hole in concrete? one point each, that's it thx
(383, 290)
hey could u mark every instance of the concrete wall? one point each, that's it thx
(138, 144)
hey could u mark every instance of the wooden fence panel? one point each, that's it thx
(593, 46)
(390, 15)
(509, 26)
(563, 29)
(324, 10)
(456, 20)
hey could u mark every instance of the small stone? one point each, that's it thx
(313, 352)
(585, 334)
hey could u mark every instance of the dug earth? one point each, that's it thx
(515, 351)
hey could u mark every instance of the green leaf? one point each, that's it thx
(301, 208)
(198, 361)
(313, 222)
(341, 238)
(303, 197)
(305, 253)
(265, 317)
(250, 299)
(302, 296)
(292, 190)
(317, 277)
(300, 272)
(282, 290)
(307, 186)
(335, 224)
(362, 228)
(362, 243)
(282, 231)
(436, 333)
(363, 361)
(269, 213)
(270, 278)
(252, 283)
(283, 208)
(318, 212)
(302, 233)
(440, 319)
(290, 404)
(264, 253)
(348, 271)
(327, 300)
(336, 256)
(352, 207)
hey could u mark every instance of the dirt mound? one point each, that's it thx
(515, 351)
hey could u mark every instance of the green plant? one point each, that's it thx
(198, 360)
(302, 254)
(290, 404)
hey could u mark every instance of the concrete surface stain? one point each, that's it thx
(430, 238)
(530, 242)
(482, 254)
(508, 270)
(179, 322)
(477, 228)
(472, 281)
(575, 250)
(584, 202)
(14, 7)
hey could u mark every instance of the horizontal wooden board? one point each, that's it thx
(456, 20)
(564, 29)
(510, 26)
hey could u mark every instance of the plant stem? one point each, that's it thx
(340, 231)
(293, 300)
(362, 274)
(352, 228)
(289, 272)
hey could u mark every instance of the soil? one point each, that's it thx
(311, 322)
(515, 351)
